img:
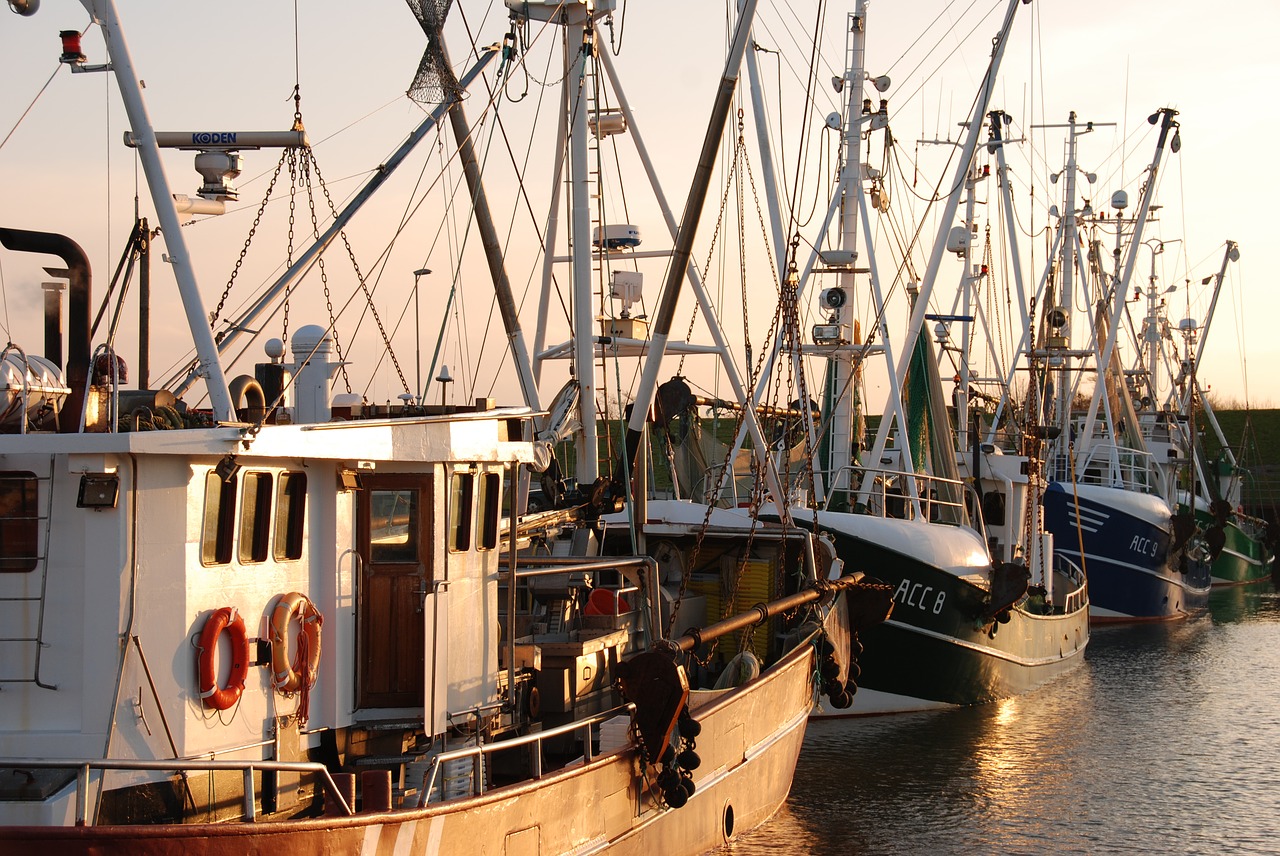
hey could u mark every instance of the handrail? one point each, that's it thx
(478, 753)
(924, 481)
(1076, 598)
(84, 765)
(1122, 467)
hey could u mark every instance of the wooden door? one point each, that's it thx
(395, 536)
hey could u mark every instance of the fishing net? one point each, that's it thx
(435, 82)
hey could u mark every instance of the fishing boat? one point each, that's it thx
(969, 625)
(1166, 380)
(1112, 504)
(298, 621)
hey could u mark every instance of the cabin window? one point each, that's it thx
(291, 507)
(19, 522)
(461, 501)
(255, 517)
(393, 526)
(219, 519)
(490, 505)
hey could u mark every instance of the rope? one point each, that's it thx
(29, 106)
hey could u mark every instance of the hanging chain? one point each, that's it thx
(364, 287)
(324, 273)
(715, 238)
(293, 204)
(742, 242)
(213, 316)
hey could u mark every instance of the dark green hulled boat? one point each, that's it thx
(1242, 544)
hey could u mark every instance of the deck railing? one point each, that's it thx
(479, 755)
(83, 766)
(888, 494)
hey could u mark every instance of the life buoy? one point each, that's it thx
(222, 698)
(298, 672)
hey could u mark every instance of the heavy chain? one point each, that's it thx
(213, 316)
(293, 191)
(373, 310)
(324, 273)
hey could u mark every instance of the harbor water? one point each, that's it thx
(1166, 740)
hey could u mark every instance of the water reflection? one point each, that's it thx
(1163, 742)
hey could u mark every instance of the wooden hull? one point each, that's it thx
(751, 737)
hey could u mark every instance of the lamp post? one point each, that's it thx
(417, 328)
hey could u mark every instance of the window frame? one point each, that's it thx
(254, 521)
(18, 532)
(462, 490)
(488, 510)
(288, 525)
(217, 547)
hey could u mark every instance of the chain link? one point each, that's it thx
(213, 316)
(364, 287)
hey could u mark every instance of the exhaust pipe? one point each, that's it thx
(78, 341)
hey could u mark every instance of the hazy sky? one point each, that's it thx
(231, 66)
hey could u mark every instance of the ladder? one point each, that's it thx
(18, 484)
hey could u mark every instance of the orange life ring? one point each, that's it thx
(293, 673)
(222, 698)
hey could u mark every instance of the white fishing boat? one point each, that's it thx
(298, 622)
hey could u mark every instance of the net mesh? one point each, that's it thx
(435, 82)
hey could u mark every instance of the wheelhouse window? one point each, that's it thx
(255, 518)
(393, 525)
(490, 506)
(19, 522)
(461, 503)
(291, 508)
(219, 519)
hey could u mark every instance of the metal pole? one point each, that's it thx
(209, 367)
(683, 252)
(417, 335)
(144, 304)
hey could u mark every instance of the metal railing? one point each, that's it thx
(533, 742)
(942, 500)
(1110, 465)
(1079, 595)
(84, 765)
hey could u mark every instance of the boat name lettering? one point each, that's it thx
(918, 595)
(209, 138)
(1145, 546)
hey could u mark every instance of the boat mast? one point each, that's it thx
(1232, 254)
(916, 323)
(750, 422)
(209, 366)
(1120, 288)
(841, 365)
(580, 34)
(1005, 187)
(681, 255)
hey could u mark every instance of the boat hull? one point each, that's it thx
(1133, 573)
(937, 649)
(1244, 558)
(751, 737)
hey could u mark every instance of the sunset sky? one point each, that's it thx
(231, 66)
